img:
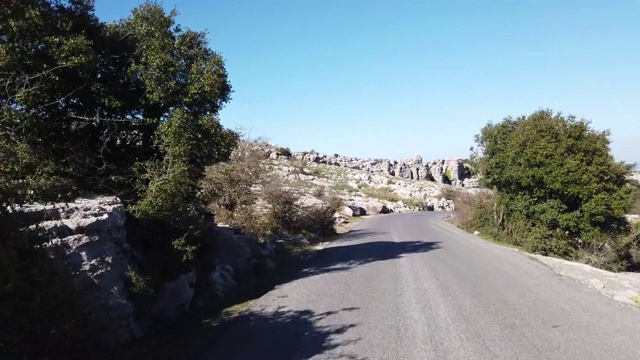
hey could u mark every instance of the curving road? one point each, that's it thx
(411, 286)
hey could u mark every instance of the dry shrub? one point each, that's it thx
(621, 254)
(287, 215)
(318, 192)
(382, 193)
(247, 194)
(475, 212)
(449, 193)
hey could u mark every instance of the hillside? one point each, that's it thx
(370, 186)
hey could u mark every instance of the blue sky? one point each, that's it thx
(395, 79)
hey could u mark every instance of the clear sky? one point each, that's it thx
(395, 79)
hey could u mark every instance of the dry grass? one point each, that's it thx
(381, 193)
(250, 196)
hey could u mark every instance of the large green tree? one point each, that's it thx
(128, 108)
(84, 102)
(555, 174)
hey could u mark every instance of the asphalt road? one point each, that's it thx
(411, 286)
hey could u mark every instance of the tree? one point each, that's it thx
(126, 108)
(556, 174)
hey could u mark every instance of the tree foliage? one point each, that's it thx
(87, 107)
(555, 174)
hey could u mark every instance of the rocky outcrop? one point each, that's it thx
(175, 296)
(635, 176)
(444, 171)
(87, 239)
(448, 171)
(443, 204)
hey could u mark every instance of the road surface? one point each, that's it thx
(411, 286)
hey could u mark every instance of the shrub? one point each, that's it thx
(343, 186)
(413, 203)
(448, 193)
(248, 195)
(448, 175)
(284, 151)
(382, 193)
(318, 192)
(557, 186)
(232, 188)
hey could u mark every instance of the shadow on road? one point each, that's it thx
(347, 256)
(283, 334)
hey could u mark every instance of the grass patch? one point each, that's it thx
(234, 310)
(413, 203)
(344, 186)
(636, 299)
(381, 193)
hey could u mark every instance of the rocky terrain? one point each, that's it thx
(370, 186)
(87, 238)
(444, 171)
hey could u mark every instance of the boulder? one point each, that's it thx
(340, 219)
(231, 251)
(433, 204)
(269, 247)
(87, 239)
(175, 296)
(251, 243)
(357, 210)
(222, 280)
(471, 183)
(451, 171)
(299, 240)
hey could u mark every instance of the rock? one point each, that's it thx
(384, 210)
(299, 240)
(476, 233)
(368, 207)
(269, 247)
(222, 280)
(231, 251)
(346, 210)
(252, 243)
(447, 171)
(340, 219)
(175, 296)
(358, 210)
(87, 239)
(633, 218)
(433, 204)
(268, 264)
(313, 238)
(135, 330)
(471, 183)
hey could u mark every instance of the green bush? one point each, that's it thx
(558, 190)
(126, 108)
(284, 151)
